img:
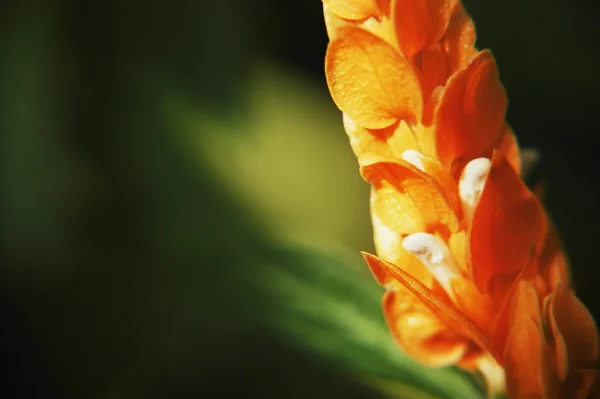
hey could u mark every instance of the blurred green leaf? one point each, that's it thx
(285, 156)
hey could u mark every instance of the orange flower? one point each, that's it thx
(473, 270)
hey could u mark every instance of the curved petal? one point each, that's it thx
(419, 332)
(507, 221)
(333, 22)
(523, 356)
(370, 80)
(570, 319)
(441, 175)
(524, 353)
(580, 384)
(553, 263)
(560, 351)
(419, 23)
(401, 179)
(503, 292)
(441, 307)
(470, 114)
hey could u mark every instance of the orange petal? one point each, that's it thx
(441, 307)
(502, 292)
(459, 41)
(507, 221)
(522, 358)
(476, 306)
(419, 23)
(560, 351)
(370, 80)
(432, 64)
(428, 115)
(574, 322)
(524, 349)
(419, 332)
(470, 114)
(411, 184)
(525, 304)
(507, 145)
(554, 266)
(353, 9)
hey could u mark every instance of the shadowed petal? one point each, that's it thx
(390, 141)
(579, 385)
(569, 317)
(434, 70)
(419, 23)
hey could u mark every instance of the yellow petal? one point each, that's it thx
(391, 141)
(395, 208)
(353, 9)
(334, 23)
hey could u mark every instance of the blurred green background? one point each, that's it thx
(181, 213)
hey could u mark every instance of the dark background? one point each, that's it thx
(125, 263)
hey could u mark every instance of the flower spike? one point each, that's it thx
(473, 271)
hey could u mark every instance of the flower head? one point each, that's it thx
(473, 270)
